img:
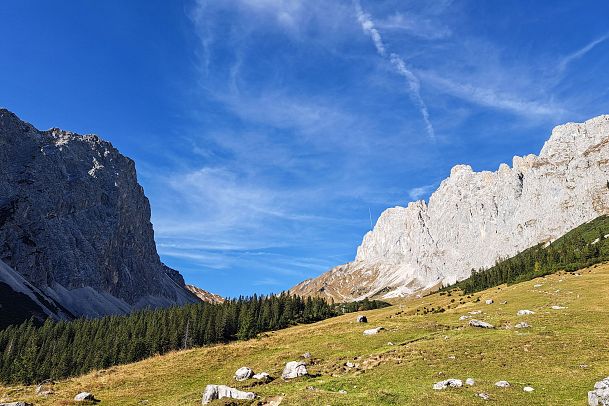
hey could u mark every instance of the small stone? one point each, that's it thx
(558, 307)
(504, 302)
(475, 312)
(262, 376)
(306, 355)
(464, 317)
(484, 396)
(243, 374)
(489, 301)
(350, 365)
(470, 382)
(390, 343)
(524, 312)
(449, 383)
(502, 384)
(528, 389)
(523, 324)
(362, 319)
(342, 392)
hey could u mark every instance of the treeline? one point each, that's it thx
(581, 247)
(55, 350)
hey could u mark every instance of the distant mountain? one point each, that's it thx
(475, 218)
(205, 295)
(75, 225)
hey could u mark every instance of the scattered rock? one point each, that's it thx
(522, 324)
(470, 382)
(362, 319)
(538, 285)
(43, 390)
(306, 355)
(390, 343)
(504, 302)
(244, 373)
(464, 317)
(528, 389)
(475, 312)
(373, 331)
(489, 301)
(17, 404)
(524, 312)
(262, 376)
(294, 369)
(502, 384)
(600, 395)
(558, 307)
(213, 392)
(481, 324)
(82, 396)
(449, 383)
(342, 392)
(484, 396)
(350, 365)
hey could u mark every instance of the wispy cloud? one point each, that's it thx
(415, 25)
(564, 63)
(414, 85)
(417, 193)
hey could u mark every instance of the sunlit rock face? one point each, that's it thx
(75, 223)
(475, 218)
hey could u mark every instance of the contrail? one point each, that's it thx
(414, 85)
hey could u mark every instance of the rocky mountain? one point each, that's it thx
(75, 224)
(475, 218)
(205, 295)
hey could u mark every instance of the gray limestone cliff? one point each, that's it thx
(75, 223)
(475, 218)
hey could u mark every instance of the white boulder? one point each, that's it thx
(262, 376)
(373, 331)
(470, 382)
(294, 369)
(480, 324)
(600, 395)
(524, 312)
(502, 384)
(489, 301)
(558, 307)
(449, 383)
(214, 392)
(522, 324)
(244, 373)
(82, 396)
(528, 389)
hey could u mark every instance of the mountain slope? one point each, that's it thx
(205, 295)
(20, 301)
(75, 223)
(475, 218)
(561, 355)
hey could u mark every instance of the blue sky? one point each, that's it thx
(266, 131)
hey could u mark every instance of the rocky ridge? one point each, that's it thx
(475, 218)
(75, 223)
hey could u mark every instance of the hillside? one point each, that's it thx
(561, 355)
(475, 218)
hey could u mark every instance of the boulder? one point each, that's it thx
(449, 383)
(263, 376)
(481, 324)
(294, 369)
(524, 312)
(528, 389)
(523, 324)
(373, 331)
(213, 392)
(600, 395)
(502, 384)
(489, 301)
(362, 319)
(470, 382)
(82, 396)
(484, 396)
(244, 373)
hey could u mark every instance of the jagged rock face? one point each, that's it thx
(75, 223)
(475, 218)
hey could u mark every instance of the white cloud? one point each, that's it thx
(417, 193)
(415, 25)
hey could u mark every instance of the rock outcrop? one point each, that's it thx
(475, 218)
(205, 295)
(75, 223)
(600, 395)
(294, 369)
(214, 392)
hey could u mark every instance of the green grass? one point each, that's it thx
(428, 348)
